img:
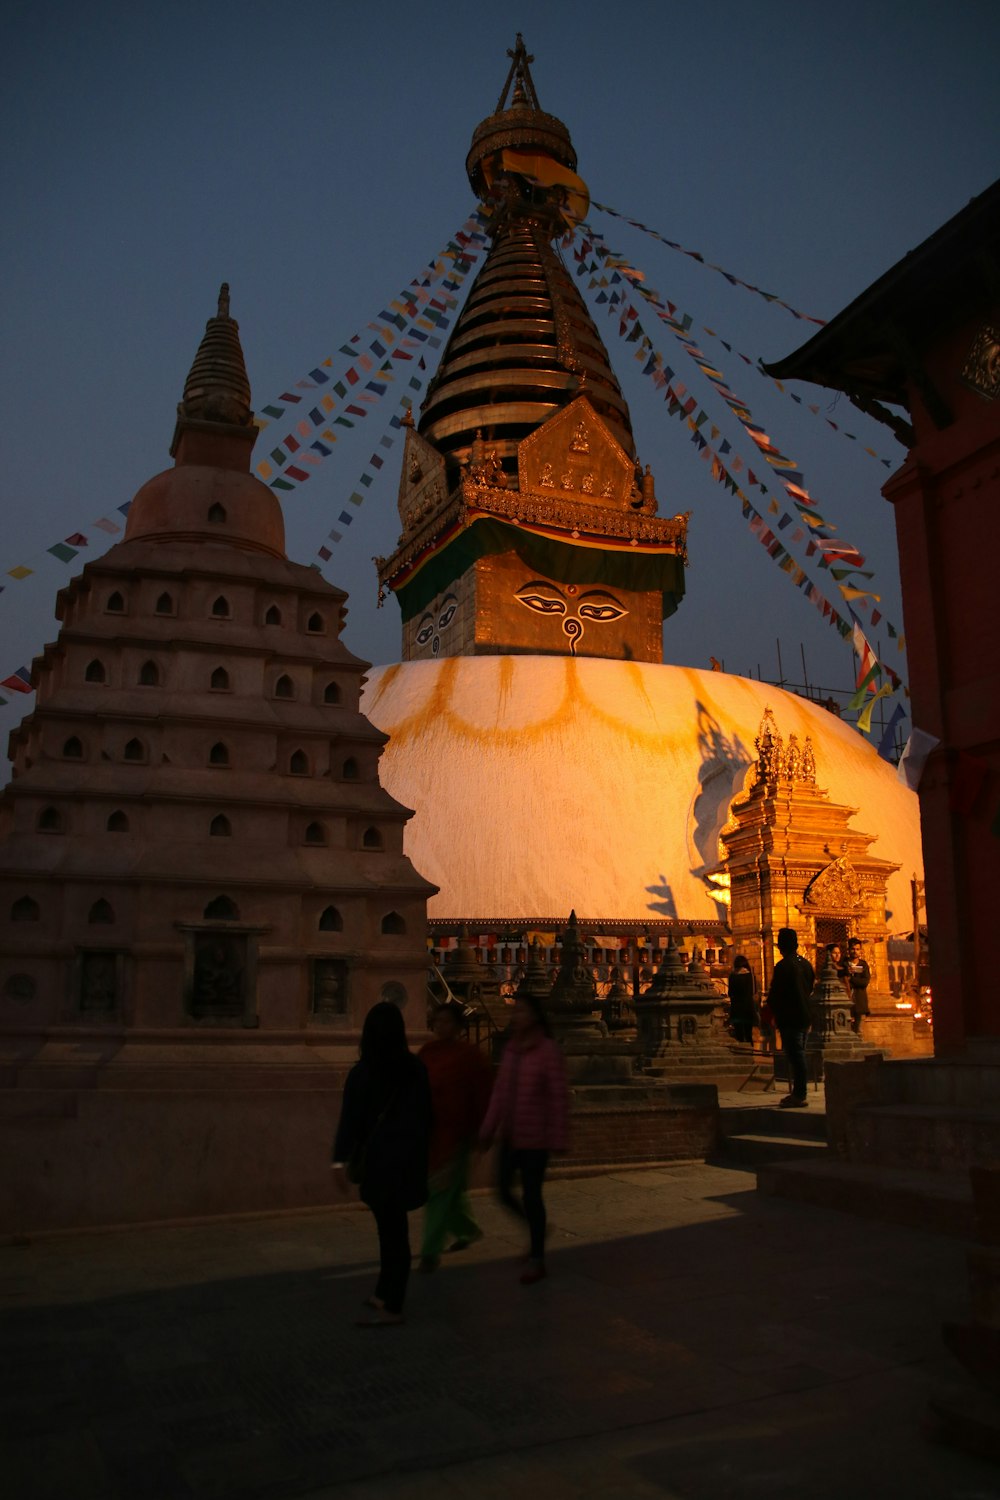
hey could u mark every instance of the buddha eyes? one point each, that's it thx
(595, 605)
(448, 613)
(601, 612)
(544, 603)
(425, 631)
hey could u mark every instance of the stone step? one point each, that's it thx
(771, 1119)
(929, 1137)
(758, 1150)
(936, 1201)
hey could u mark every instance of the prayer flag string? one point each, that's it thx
(685, 407)
(695, 255)
(411, 321)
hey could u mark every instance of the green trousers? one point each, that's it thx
(447, 1212)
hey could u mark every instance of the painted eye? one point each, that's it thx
(601, 607)
(545, 604)
(426, 631)
(447, 614)
(602, 612)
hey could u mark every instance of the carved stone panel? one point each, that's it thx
(574, 456)
(981, 370)
(99, 974)
(328, 1000)
(220, 976)
(422, 483)
(836, 888)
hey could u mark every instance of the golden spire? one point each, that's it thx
(525, 344)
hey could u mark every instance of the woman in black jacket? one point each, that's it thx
(384, 1128)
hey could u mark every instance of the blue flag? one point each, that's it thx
(889, 738)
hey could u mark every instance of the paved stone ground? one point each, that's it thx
(694, 1340)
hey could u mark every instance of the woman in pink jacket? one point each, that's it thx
(528, 1112)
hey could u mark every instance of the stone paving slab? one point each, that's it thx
(693, 1340)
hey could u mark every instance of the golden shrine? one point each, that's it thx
(528, 525)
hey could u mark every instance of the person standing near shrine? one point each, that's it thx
(742, 990)
(460, 1082)
(835, 953)
(788, 996)
(529, 1115)
(381, 1144)
(859, 977)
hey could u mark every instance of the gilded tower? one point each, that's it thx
(527, 523)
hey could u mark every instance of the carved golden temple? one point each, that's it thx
(527, 523)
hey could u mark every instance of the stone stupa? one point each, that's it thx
(202, 882)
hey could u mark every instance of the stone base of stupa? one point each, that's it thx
(726, 1065)
(104, 1130)
(597, 1059)
(639, 1122)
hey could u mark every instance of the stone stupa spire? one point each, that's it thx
(210, 495)
(217, 389)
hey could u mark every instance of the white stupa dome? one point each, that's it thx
(546, 783)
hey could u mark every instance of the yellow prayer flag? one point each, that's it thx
(851, 593)
(572, 191)
(264, 469)
(20, 571)
(865, 716)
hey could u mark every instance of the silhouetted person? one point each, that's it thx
(788, 996)
(383, 1135)
(742, 989)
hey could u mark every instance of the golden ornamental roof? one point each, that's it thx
(524, 346)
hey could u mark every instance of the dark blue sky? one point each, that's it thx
(313, 156)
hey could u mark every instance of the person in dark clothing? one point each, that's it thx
(859, 977)
(788, 996)
(385, 1117)
(742, 999)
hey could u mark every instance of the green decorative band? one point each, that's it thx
(563, 562)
